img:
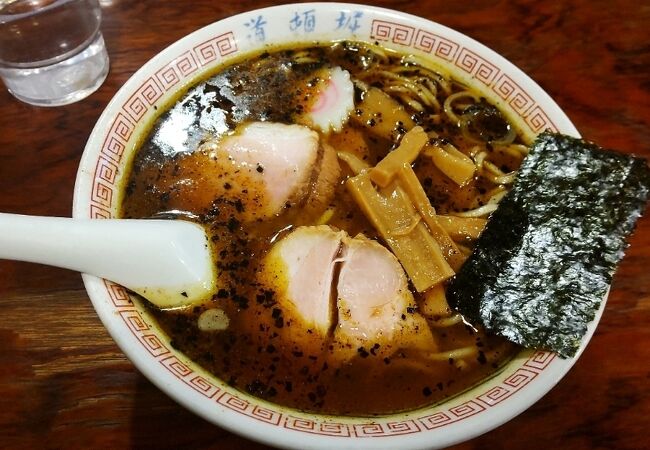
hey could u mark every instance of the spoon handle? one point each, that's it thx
(143, 255)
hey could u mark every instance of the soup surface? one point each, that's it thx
(261, 345)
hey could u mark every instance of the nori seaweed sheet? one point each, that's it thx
(546, 258)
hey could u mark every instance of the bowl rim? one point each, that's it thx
(105, 296)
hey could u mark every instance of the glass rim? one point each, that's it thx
(7, 18)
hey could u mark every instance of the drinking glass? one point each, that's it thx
(51, 51)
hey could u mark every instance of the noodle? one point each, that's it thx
(514, 150)
(457, 353)
(481, 211)
(449, 104)
(496, 175)
(447, 321)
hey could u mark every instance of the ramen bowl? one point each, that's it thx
(110, 149)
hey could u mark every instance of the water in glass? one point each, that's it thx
(51, 51)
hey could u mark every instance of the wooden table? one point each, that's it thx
(65, 384)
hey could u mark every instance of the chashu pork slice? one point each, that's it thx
(259, 170)
(304, 262)
(376, 310)
(281, 158)
(352, 291)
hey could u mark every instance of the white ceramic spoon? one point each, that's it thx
(168, 262)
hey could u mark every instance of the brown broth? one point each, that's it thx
(263, 352)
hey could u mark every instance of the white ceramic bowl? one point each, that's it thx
(110, 149)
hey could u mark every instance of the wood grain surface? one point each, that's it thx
(65, 384)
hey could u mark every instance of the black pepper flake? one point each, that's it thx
(227, 186)
(260, 169)
(386, 360)
(240, 300)
(481, 358)
(130, 188)
(256, 387)
(427, 391)
(410, 309)
(440, 386)
(266, 298)
(232, 224)
(222, 293)
(184, 294)
(374, 349)
(362, 352)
